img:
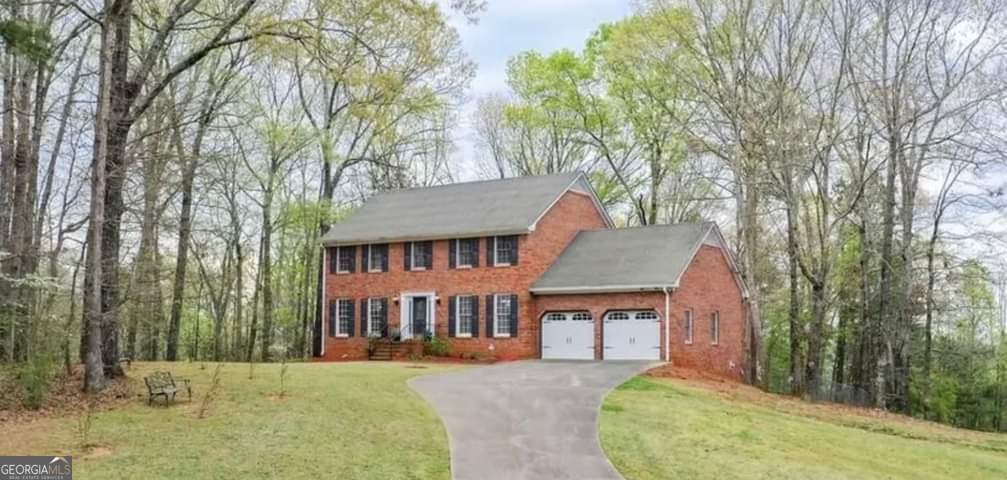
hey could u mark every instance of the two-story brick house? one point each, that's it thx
(529, 267)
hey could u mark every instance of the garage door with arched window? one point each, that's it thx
(632, 335)
(568, 336)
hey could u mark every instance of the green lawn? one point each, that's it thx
(337, 420)
(658, 429)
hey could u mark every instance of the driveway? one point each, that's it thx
(526, 420)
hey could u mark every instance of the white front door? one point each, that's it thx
(416, 314)
(632, 335)
(568, 336)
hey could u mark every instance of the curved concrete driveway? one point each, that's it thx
(526, 420)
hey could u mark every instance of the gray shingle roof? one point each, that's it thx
(494, 207)
(624, 259)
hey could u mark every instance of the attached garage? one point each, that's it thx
(632, 335)
(568, 336)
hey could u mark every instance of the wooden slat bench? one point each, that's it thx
(162, 384)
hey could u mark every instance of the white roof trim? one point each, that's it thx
(591, 193)
(497, 233)
(600, 289)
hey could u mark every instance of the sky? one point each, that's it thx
(509, 27)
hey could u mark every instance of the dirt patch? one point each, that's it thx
(65, 397)
(96, 451)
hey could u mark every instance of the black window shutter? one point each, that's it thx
(515, 249)
(489, 316)
(352, 252)
(332, 318)
(475, 315)
(474, 245)
(489, 251)
(452, 252)
(451, 315)
(513, 315)
(384, 317)
(407, 255)
(363, 317)
(384, 257)
(430, 255)
(352, 317)
(333, 259)
(365, 263)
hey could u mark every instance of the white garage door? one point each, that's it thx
(568, 336)
(632, 335)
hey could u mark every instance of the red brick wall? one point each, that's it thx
(707, 286)
(538, 249)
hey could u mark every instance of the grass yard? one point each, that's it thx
(655, 428)
(337, 420)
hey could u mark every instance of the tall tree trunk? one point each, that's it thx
(794, 309)
(181, 264)
(94, 378)
(267, 270)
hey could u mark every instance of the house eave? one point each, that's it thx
(601, 289)
(422, 238)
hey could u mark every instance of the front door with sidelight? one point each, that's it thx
(417, 314)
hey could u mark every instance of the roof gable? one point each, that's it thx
(626, 259)
(494, 207)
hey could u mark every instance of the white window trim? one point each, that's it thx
(690, 322)
(338, 322)
(495, 262)
(412, 258)
(371, 268)
(458, 254)
(496, 317)
(370, 312)
(458, 316)
(339, 257)
(715, 319)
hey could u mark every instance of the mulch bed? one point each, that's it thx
(65, 397)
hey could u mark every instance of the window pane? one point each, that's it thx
(581, 317)
(505, 247)
(374, 257)
(466, 252)
(375, 316)
(555, 317)
(465, 310)
(503, 311)
(344, 257)
(345, 317)
(646, 316)
(618, 316)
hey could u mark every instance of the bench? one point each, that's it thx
(162, 384)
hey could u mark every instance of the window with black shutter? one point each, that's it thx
(504, 251)
(504, 315)
(377, 257)
(342, 259)
(465, 252)
(341, 318)
(418, 255)
(464, 314)
(333, 253)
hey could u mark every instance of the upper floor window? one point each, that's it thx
(687, 327)
(377, 258)
(465, 252)
(418, 255)
(715, 328)
(505, 250)
(345, 259)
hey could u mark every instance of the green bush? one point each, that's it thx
(34, 378)
(436, 347)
